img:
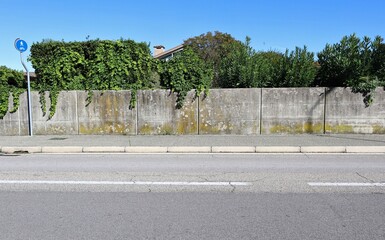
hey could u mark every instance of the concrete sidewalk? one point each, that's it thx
(341, 143)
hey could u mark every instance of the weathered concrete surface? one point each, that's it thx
(10, 124)
(108, 113)
(346, 112)
(224, 111)
(64, 121)
(230, 111)
(157, 113)
(292, 110)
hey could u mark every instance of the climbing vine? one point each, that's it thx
(185, 72)
(11, 84)
(90, 65)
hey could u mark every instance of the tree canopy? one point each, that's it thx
(353, 62)
(212, 48)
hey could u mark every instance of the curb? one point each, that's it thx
(277, 149)
(189, 149)
(232, 149)
(62, 149)
(142, 149)
(12, 150)
(194, 149)
(323, 149)
(365, 149)
(103, 150)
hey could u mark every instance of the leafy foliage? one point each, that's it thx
(184, 72)
(212, 48)
(299, 68)
(355, 63)
(243, 67)
(91, 65)
(12, 82)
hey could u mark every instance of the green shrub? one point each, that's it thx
(355, 63)
(242, 67)
(300, 69)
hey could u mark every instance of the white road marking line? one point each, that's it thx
(124, 183)
(345, 184)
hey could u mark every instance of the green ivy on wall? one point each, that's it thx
(11, 84)
(185, 72)
(91, 65)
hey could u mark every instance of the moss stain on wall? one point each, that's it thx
(341, 128)
(107, 127)
(187, 124)
(146, 129)
(306, 127)
(377, 129)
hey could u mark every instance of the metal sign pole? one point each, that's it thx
(22, 46)
(30, 126)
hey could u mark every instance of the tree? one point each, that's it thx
(212, 48)
(378, 58)
(300, 69)
(354, 63)
(340, 62)
(242, 67)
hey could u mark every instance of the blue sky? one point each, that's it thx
(271, 24)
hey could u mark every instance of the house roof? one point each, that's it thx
(31, 74)
(168, 52)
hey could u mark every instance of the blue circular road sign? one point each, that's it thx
(21, 45)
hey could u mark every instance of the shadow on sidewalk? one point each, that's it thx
(359, 137)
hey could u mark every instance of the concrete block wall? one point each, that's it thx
(10, 124)
(108, 113)
(63, 122)
(346, 112)
(223, 111)
(230, 111)
(157, 113)
(292, 110)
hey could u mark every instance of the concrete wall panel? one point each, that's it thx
(292, 110)
(230, 111)
(157, 113)
(108, 113)
(10, 124)
(39, 121)
(346, 112)
(64, 121)
(224, 111)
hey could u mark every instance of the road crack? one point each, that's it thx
(233, 186)
(362, 176)
(203, 178)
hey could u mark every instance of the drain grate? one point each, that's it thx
(57, 139)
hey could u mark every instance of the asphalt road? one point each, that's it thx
(200, 196)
